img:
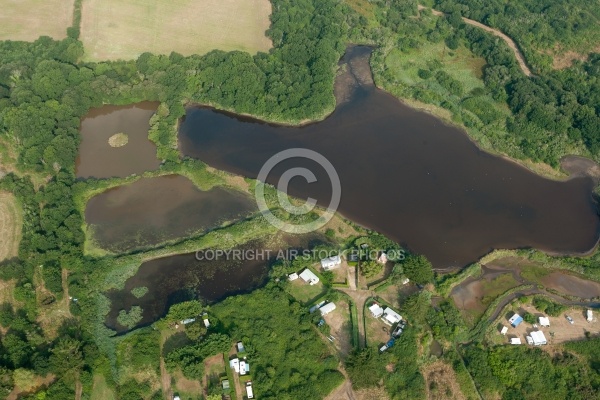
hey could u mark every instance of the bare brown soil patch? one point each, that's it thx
(562, 58)
(441, 383)
(29, 19)
(339, 322)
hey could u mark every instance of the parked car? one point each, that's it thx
(569, 319)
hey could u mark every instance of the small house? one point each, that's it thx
(235, 364)
(225, 384)
(544, 321)
(515, 320)
(240, 347)
(330, 263)
(243, 367)
(376, 310)
(515, 340)
(538, 338)
(309, 277)
(327, 308)
(504, 330)
(293, 276)
(590, 316)
(390, 316)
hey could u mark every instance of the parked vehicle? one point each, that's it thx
(569, 319)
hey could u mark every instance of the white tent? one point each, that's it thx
(376, 310)
(544, 321)
(515, 340)
(327, 308)
(538, 338)
(390, 316)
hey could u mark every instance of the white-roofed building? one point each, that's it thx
(504, 330)
(515, 340)
(293, 276)
(235, 364)
(376, 310)
(309, 277)
(590, 316)
(330, 263)
(390, 316)
(538, 338)
(544, 321)
(327, 308)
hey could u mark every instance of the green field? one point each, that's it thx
(112, 29)
(29, 19)
(461, 64)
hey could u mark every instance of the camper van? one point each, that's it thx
(249, 391)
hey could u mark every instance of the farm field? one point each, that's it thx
(29, 19)
(111, 29)
(11, 222)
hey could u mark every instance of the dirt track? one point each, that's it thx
(11, 222)
(511, 43)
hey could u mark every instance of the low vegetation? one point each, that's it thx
(11, 223)
(112, 30)
(30, 19)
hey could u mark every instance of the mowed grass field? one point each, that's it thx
(113, 29)
(29, 19)
(11, 222)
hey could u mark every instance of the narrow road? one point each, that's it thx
(165, 378)
(359, 297)
(511, 43)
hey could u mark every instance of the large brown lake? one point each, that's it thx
(407, 175)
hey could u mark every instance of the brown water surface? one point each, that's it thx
(407, 175)
(152, 210)
(183, 277)
(99, 160)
